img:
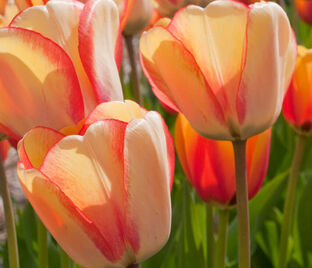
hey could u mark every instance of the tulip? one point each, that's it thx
(4, 149)
(8, 11)
(139, 16)
(297, 107)
(304, 8)
(209, 164)
(226, 92)
(168, 7)
(53, 74)
(121, 214)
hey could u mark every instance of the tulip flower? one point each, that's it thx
(297, 107)
(4, 149)
(139, 16)
(53, 74)
(168, 7)
(209, 164)
(304, 8)
(8, 11)
(121, 214)
(226, 92)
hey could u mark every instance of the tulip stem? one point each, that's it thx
(42, 245)
(222, 238)
(210, 237)
(133, 266)
(9, 219)
(242, 204)
(134, 72)
(290, 200)
(65, 260)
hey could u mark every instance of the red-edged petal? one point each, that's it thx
(58, 21)
(89, 170)
(172, 70)
(73, 231)
(98, 34)
(38, 83)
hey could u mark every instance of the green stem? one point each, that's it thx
(242, 204)
(65, 260)
(290, 200)
(210, 237)
(42, 245)
(134, 72)
(9, 219)
(222, 238)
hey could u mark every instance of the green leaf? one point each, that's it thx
(304, 224)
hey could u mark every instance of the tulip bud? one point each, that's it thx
(304, 8)
(92, 191)
(139, 17)
(209, 164)
(226, 92)
(297, 107)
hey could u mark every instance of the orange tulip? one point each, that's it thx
(297, 106)
(209, 165)
(169, 7)
(225, 91)
(4, 149)
(53, 74)
(93, 192)
(304, 8)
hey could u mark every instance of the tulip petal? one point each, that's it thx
(58, 21)
(208, 164)
(89, 170)
(23, 4)
(38, 84)
(257, 160)
(3, 4)
(172, 70)
(98, 32)
(297, 105)
(75, 233)
(207, 33)
(270, 61)
(34, 146)
(148, 185)
(122, 111)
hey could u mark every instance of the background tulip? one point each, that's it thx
(121, 214)
(139, 17)
(304, 8)
(209, 165)
(169, 7)
(225, 92)
(297, 106)
(52, 73)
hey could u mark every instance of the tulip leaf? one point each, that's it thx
(304, 224)
(259, 208)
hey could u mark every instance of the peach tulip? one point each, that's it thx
(104, 195)
(8, 10)
(57, 63)
(209, 164)
(140, 16)
(168, 7)
(304, 8)
(226, 67)
(297, 106)
(4, 149)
